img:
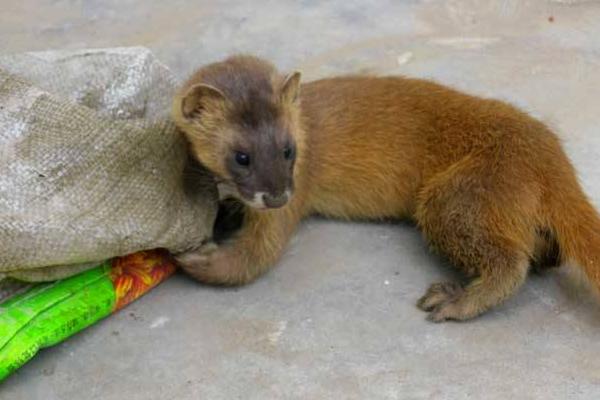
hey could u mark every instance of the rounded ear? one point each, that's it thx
(290, 89)
(196, 99)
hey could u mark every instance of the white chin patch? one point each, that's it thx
(228, 191)
(258, 201)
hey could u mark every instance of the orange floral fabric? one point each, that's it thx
(135, 274)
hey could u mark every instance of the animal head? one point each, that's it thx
(240, 117)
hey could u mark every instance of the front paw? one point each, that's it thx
(198, 258)
(200, 262)
(212, 264)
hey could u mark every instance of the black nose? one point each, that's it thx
(275, 201)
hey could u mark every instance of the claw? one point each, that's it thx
(440, 301)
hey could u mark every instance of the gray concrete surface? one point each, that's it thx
(336, 318)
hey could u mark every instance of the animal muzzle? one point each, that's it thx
(276, 201)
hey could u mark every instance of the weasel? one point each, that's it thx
(489, 186)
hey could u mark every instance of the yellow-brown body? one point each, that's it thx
(489, 186)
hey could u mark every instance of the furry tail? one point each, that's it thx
(577, 228)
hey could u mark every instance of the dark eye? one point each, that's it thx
(242, 159)
(288, 152)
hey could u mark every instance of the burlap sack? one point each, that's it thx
(90, 165)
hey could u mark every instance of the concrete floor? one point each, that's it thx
(336, 319)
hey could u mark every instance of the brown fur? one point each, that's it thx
(489, 186)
